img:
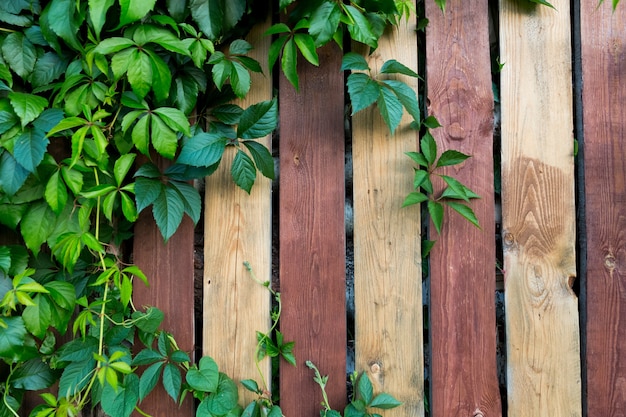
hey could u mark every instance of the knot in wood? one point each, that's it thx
(375, 368)
(509, 239)
(478, 414)
(456, 131)
(609, 262)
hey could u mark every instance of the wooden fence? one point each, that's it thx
(563, 77)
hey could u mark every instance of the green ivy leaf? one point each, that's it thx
(140, 73)
(359, 27)
(414, 198)
(56, 193)
(384, 401)
(355, 62)
(390, 109)
(161, 36)
(324, 22)
(394, 67)
(19, 53)
(224, 398)
(191, 199)
(97, 14)
(33, 375)
(276, 47)
(30, 148)
(141, 134)
(441, 4)
(27, 106)
(37, 317)
(240, 80)
(227, 113)
(451, 157)
(258, 120)
(149, 379)
(545, 3)
(407, 97)
(133, 10)
(63, 293)
(147, 190)
(363, 91)
(12, 337)
(205, 378)
(431, 122)
(172, 380)
(289, 62)
(149, 321)
(202, 150)
(457, 190)
(435, 210)
(251, 385)
(464, 211)
(37, 224)
(164, 139)
(47, 69)
(216, 16)
(78, 350)
(121, 402)
(161, 76)
(75, 377)
(12, 174)
(174, 119)
(262, 158)
(243, 171)
(428, 146)
(307, 47)
(168, 211)
(365, 388)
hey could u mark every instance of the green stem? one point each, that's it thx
(6, 391)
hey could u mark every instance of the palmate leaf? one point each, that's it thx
(172, 380)
(262, 158)
(121, 402)
(140, 73)
(363, 91)
(216, 16)
(33, 375)
(407, 97)
(97, 14)
(243, 171)
(64, 20)
(435, 209)
(133, 10)
(289, 63)
(465, 211)
(168, 210)
(258, 120)
(324, 22)
(30, 148)
(12, 174)
(27, 106)
(203, 150)
(19, 53)
(390, 109)
(359, 27)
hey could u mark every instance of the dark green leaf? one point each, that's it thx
(97, 14)
(168, 211)
(239, 47)
(227, 113)
(64, 22)
(394, 67)
(359, 27)
(355, 62)
(384, 401)
(240, 80)
(30, 148)
(186, 93)
(75, 377)
(19, 53)
(8, 119)
(251, 385)
(427, 246)
(243, 171)
(454, 189)
(12, 174)
(37, 224)
(289, 62)
(428, 146)
(545, 3)
(133, 10)
(12, 337)
(363, 91)
(56, 193)
(33, 375)
(47, 69)
(414, 198)
(205, 378)
(431, 122)
(161, 76)
(435, 210)
(149, 321)
(148, 357)
(78, 350)
(147, 190)
(307, 47)
(209, 15)
(191, 199)
(407, 97)
(324, 22)
(27, 106)
(174, 119)
(121, 402)
(262, 158)
(204, 149)
(172, 380)
(275, 49)
(451, 157)
(63, 293)
(224, 398)
(390, 109)
(258, 120)
(365, 388)
(149, 379)
(464, 211)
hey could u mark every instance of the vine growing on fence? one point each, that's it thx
(91, 92)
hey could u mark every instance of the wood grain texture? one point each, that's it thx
(543, 353)
(604, 105)
(237, 228)
(169, 268)
(312, 233)
(462, 263)
(387, 255)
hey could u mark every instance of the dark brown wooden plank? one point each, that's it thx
(462, 263)
(312, 235)
(169, 268)
(603, 37)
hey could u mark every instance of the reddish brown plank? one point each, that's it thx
(603, 35)
(462, 263)
(169, 268)
(312, 235)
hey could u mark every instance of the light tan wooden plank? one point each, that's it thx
(387, 257)
(237, 228)
(543, 353)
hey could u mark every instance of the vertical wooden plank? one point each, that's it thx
(169, 268)
(543, 353)
(237, 228)
(462, 263)
(312, 234)
(604, 105)
(387, 255)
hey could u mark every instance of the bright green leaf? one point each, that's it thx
(37, 224)
(63, 293)
(435, 210)
(161, 36)
(240, 80)
(37, 316)
(97, 14)
(384, 401)
(363, 91)
(394, 67)
(359, 27)
(289, 62)
(451, 157)
(324, 22)
(122, 166)
(133, 10)
(140, 73)
(149, 379)
(114, 44)
(258, 120)
(164, 139)
(464, 211)
(428, 146)
(307, 47)
(56, 193)
(174, 119)
(414, 198)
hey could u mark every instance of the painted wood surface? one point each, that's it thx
(169, 268)
(387, 256)
(543, 353)
(312, 234)
(237, 229)
(603, 35)
(462, 262)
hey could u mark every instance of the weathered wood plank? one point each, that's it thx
(543, 354)
(169, 268)
(462, 263)
(603, 36)
(237, 228)
(312, 234)
(387, 255)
